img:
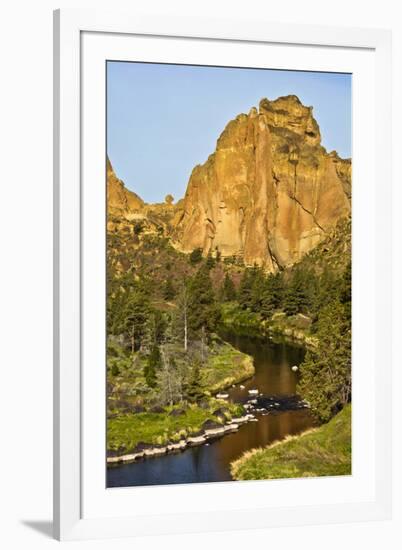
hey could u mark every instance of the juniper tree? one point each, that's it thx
(195, 256)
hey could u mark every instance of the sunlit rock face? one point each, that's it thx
(120, 200)
(269, 193)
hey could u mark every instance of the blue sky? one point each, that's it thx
(162, 120)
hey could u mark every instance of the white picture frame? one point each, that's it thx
(83, 508)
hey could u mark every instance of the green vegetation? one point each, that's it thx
(195, 256)
(168, 378)
(225, 366)
(324, 451)
(311, 303)
(228, 292)
(325, 380)
(127, 431)
(242, 320)
(169, 375)
(164, 310)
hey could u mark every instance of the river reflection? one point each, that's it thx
(211, 462)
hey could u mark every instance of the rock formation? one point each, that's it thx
(120, 201)
(269, 193)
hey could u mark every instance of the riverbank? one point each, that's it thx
(323, 451)
(149, 434)
(128, 390)
(225, 369)
(139, 427)
(295, 329)
(185, 438)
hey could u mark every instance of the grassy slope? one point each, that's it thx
(324, 451)
(126, 431)
(226, 366)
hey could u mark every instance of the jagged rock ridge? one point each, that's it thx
(269, 193)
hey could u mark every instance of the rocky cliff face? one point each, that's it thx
(269, 193)
(120, 201)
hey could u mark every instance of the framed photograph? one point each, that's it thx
(222, 274)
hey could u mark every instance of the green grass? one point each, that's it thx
(226, 366)
(126, 431)
(292, 329)
(295, 329)
(324, 451)
(233, 316)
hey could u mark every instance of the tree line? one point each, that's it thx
(175, 340)
(324, 296)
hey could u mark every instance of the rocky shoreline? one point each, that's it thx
(192, 441)
(260, 405)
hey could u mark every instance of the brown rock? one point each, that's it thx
(120, 200)
(269, 193)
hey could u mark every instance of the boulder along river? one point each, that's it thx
(211, 462)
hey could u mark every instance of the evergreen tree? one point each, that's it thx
(210, 262)
(228, 290)
(195, 256)
(203, 311)
(169, 292)
(153, 364)
(154, 331)
(345, 293)
(327, 289)
(194, 391)
(325, 374)
(295, 299)
(257, 287)
(246, 288)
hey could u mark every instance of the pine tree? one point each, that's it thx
(257, 286)
(135, 313)
(295, 299)
(245, 289)
(345, 293)
(203, 311)
(228, 290)
(327, 289)
(154, 331)
(194, 391)
(153, 364)
(169, 292)
(325, 374)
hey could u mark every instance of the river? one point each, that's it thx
(211, 462)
